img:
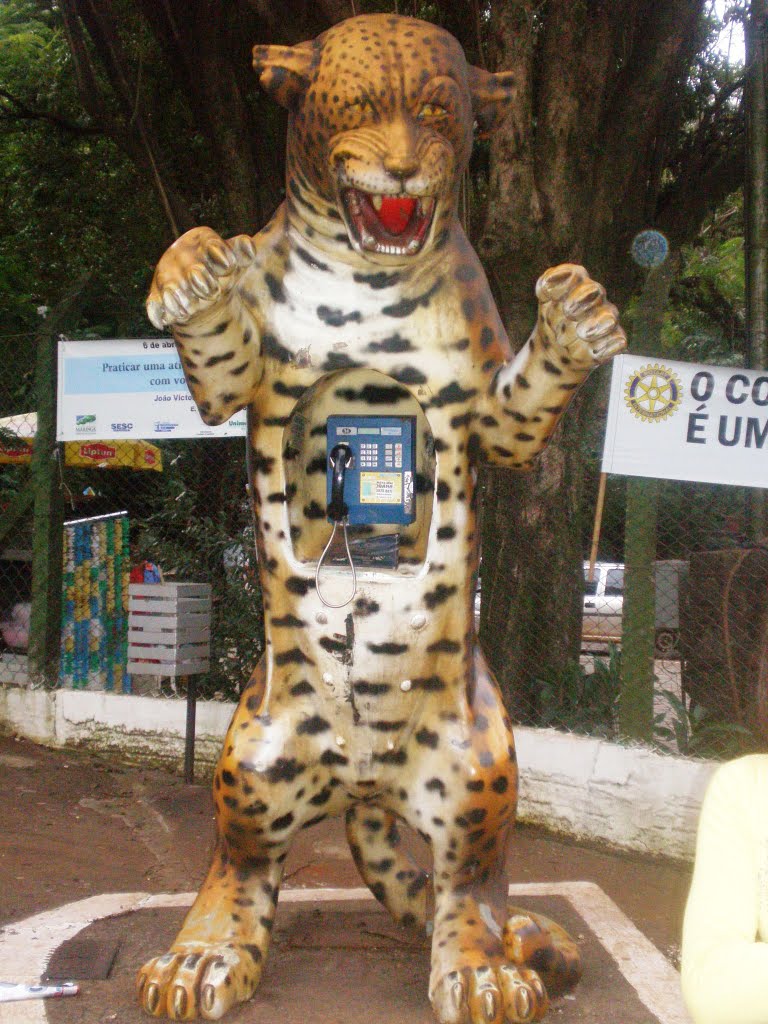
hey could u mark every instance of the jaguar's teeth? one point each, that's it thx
(377, 200)
(426, 205)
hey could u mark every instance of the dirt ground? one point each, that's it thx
(73, 825)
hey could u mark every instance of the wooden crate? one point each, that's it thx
(169, 628)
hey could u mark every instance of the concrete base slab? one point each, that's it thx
(336, 958)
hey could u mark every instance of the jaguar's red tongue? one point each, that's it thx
(395, 213)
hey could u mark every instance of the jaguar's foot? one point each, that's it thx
(199, 981)
(488, 994)
(534, 941)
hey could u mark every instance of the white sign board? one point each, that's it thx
(128, 389)
(686, 421)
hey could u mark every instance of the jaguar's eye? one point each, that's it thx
(431, 112)
(361, 105)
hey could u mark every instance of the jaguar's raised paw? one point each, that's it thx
(576, 318)
(203, 982)
(501, 994)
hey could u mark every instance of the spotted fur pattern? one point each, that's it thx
(383, 710)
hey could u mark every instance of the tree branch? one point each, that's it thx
(22, 112)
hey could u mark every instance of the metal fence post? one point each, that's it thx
(47, 517)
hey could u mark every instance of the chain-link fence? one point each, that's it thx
(685, 627)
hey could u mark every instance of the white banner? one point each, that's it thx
(128, 389)
(686, 421)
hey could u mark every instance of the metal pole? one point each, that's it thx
(189, 739)
(756, 219)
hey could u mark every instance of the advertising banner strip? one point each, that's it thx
(128, 389)
(687, 421)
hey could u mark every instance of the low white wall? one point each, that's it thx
(631, 798)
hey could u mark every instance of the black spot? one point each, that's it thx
(522, 382)
(218, 329)
(451, 394)
(444, 647)
(405, 307)
(487, 337)
(439, 595)
(288, 621)
(302, 689)
(388, 647)
(337, 317)
(500, 784)
(463, 420)
(228, 778)
(298, 585)
(432, 684)
(285, 769)
(383, 726)
(331, 757)
(312, 726)
(281, 823)
(261, 463)
(333, 646)
(427, 738)
(466, 272)
(314, 510)
(436, 786)
(461, 345)
(223, 358)
(321, 797)
(372, 394)
(294, 656)
(391, 757)
(318, 818)
(309, 259)
(551, 368)
(364, 606)
(271, 347)
(253, 951)
(409, 375)
(394, 343)
(476, 786)
(339, 361)
(481, 723)
(277, 498)
(288, 390)
(446, 533)
(443, 491)
(378, 280)
(362, 688)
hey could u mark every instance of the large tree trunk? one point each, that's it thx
(575, 173)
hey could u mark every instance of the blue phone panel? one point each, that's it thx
(379, 485)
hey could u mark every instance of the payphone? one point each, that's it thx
(372, 462)
(369, 480)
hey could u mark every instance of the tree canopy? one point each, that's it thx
(122, 124)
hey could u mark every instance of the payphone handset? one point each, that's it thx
(371, 468)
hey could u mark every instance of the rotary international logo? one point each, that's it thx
(653, 393)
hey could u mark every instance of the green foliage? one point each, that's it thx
(582, 701)
(217, 548)
(697, 732)
(705, 321)
(71, 204)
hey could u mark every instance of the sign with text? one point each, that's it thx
(686, 421)
(128, 389)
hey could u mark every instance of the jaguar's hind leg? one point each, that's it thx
(389, 871)
(535, 942)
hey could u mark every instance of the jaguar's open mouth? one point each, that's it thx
(390, 225)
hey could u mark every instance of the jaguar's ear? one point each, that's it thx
(491, 95)
(284, 71)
